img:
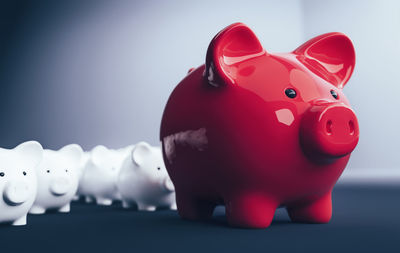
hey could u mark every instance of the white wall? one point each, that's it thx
(101, 72)
(374, 89)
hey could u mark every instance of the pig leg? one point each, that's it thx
(20, 221)
(318, 211)
(103, 201)
(144, 207)
(173, 206)
(65, 209)
(37, 210)
(191, 208)
(88, 199)
(250, 211)
(126, 204)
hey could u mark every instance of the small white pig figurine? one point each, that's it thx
(100, 175)
(143, 180)
(18, 182)
(57, 179)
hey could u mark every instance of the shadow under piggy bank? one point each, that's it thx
(365, 219)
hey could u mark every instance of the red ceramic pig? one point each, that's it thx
(255, 131)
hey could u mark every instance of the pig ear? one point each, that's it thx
(31, 151)
(98, 154)
(233, 45)
(140, 153)
(331, 56)
(74, 152)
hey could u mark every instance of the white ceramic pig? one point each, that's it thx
(57, 179)
(18, 181)
(100, 175)
(143, 180)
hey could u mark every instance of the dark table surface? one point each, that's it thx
(365, 219)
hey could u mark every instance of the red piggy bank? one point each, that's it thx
(255, 131)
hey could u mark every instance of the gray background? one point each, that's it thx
(100, 72)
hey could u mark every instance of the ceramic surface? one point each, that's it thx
(254, 130)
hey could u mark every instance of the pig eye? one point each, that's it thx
(66, 170)
(48, 171)
(334, 94)
(158, 168)
(2, 174)
(24, 173)
(291, 93)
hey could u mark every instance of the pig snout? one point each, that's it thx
(16, 193)
(60, 186)
(330, 130)
(167, 185)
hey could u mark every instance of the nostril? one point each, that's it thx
(329, 127)
(351, 126)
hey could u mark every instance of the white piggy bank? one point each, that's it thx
(143, 180)
(57, 179)
(100, 175)
(18, 182)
